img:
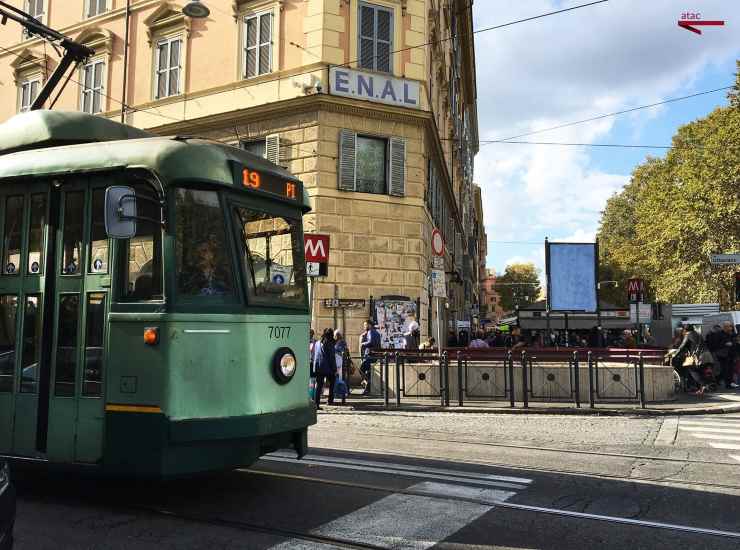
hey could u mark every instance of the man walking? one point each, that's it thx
(369, 340)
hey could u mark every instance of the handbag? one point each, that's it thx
(312, 388)
(340, 388)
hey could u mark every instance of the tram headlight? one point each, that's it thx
(284, 365)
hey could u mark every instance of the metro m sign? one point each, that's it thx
(316, 248)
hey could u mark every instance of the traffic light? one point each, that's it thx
(737, 286)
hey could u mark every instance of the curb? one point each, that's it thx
(717, 409)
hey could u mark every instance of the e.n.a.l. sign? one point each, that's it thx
(374, 87)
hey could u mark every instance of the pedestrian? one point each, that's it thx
(686, 360)
(725, 354)
(514, 340)
(478, 341)
(341, 389)
(412, 335)
(369, 341)
(311, 347)
(325, 366)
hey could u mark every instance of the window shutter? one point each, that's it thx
(367, 37)
(272, 148)
(265, 43)
(398, 167)
(384, 39)
(347, 172)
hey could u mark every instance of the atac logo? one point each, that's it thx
(690, 20)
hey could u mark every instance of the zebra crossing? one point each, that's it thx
(424, 514)
(720, 432)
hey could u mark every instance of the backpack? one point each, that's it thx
(340, 388)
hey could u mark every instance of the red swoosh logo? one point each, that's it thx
(691, 25)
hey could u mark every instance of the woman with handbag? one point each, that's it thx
(686, 359)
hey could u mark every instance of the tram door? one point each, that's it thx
(61, 309)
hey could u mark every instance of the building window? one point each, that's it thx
(92, 87)
(95, 7)
(257, 44)
(35, 8)
(257, 148)
(370, 164)
(28, 90)
(375, 38)
(168, 67)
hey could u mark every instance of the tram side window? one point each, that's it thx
(98, 258)
(8, 312)
(66, 355)
(31, 353)
(36, 234)
(204, 265)
(272, 257)
(74, 212)
(12, 244)
(142, 280)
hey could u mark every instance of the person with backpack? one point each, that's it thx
(325, 366)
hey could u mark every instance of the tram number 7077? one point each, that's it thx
(277, 333)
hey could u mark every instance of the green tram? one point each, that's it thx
(153, 301)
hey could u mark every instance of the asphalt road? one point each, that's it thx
(431, 480)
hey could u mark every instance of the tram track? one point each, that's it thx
(522, 508)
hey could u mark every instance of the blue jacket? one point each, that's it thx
(369, 340)
(324, 361)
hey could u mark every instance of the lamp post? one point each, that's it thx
(196, 9)
(125, 61)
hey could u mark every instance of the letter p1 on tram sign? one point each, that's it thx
(316, 249)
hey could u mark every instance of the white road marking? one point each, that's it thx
(730, 446)
(735, 457)
(406, 521)
(727, 431)
(403, 467)
(717, 437)
(396, 472)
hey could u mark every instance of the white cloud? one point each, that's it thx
(567, 67)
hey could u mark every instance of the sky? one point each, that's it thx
(587, 62)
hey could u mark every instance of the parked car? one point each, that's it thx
(7, 507)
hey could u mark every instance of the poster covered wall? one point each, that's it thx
(393, 318)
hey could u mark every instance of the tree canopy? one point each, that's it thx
(677, 210)
(519, 285)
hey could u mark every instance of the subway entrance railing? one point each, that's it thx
(539, 375)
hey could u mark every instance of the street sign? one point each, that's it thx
(724, 259)
(438, 243)
(316, 247)
(636, 290)
(438, 262)
(646, 313)
(313, 269)
(343, 303)
(439, 289)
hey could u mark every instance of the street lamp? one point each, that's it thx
(196, 10)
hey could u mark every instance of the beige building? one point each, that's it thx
(372, 103)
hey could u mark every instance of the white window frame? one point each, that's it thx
(168, 40)
(98, 6)
(86, 91)
(260, 43)
(28, 83)
(40, 16)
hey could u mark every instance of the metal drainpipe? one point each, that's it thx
(125, 62)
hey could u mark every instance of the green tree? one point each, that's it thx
(677, 210)
(519, 285)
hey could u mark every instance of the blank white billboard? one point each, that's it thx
(571, 276)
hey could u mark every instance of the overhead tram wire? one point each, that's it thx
(615, 145)
(607, 115)
(355, 61)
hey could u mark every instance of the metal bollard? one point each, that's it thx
(591, 402)
(398, 379)
(459, 379)
(509, 363)
(525, 381)
(576, 380)
(447, 379)
(385, 378)
(442, 378)
(641, 371)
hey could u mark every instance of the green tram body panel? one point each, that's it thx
(204, 397)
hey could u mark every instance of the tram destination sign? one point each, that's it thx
(256, 180)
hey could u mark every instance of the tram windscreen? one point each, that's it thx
(272, 257)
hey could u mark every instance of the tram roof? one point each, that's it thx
(116, 146)
(38, 129)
